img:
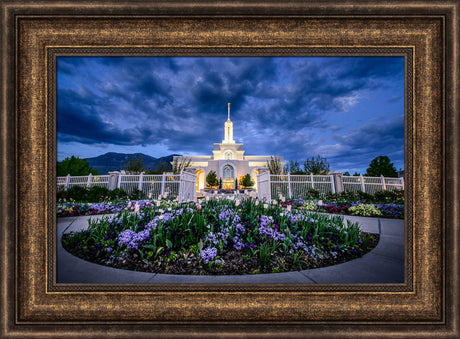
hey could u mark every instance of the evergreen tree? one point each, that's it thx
(74, 166)
(211, 179)
(381, 165)
(246, 181)
(294, 168)
(316, 166)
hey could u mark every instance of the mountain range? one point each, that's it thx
(113, 161)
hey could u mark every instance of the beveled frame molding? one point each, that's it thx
(33, 35)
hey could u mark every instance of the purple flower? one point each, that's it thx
(208, 254)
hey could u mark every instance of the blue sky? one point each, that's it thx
(346, 109)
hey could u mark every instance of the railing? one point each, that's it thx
(371, 184)
(298, 185)
(263, 186)
(187, 186)
(151, 185)
(63, 183)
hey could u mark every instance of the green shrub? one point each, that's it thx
(363, 196)
(118, 194)
(98, 193)
(313, 194)
(77, 193)
(365, 210)
(137, 195)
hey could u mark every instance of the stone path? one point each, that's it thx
(384, 264)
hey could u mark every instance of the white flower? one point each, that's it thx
(137, 207)
(158, 203)
(150, 195)
(265, 205)
(169, 209)
(320, 203)
(283, 199)
(161, 211)
(281, 214)
(257, 203)
(237, 203)
(161, 217)
(289, 208)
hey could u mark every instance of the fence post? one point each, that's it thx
(289, 185)
(402, 182)
(332, 183)
(363, 188)
(119, 180)
(384, 186)
(67, 182)
(113, 180)
(163, 179)
(90, 177)
(338, 182)
(141, 179)
(312, 181)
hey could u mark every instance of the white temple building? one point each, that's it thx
(228, 161)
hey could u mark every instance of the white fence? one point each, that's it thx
(372, 184)
(263, 186)
(150, 184)
(84, 181)
(268, 185)
(182, 185)
(297, 186)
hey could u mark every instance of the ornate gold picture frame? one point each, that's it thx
(34, 305)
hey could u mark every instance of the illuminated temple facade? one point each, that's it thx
(228, 161)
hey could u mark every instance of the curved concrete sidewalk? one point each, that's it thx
(384, 264)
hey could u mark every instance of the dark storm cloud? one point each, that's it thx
(180, 103)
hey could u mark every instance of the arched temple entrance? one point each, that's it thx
(254, 178)
(228, 177)
(200, 181)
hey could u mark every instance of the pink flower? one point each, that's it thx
(257, 202)
(289, 208)
(198, 207)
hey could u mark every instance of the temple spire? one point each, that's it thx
(228, 129)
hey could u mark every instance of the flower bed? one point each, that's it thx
(218, 237)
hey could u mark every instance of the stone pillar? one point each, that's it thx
(338, 182)
(113, 180)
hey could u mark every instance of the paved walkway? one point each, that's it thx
(384, 264)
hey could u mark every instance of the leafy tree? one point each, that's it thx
(161, 168)
(180, 164)
(316, 165)
(211, 179)
(356, 174)
(74, 166)
(346, 174)
(274, 165)
(220, 183)
(381, 165)
(236, 183)
(134, 166)
(246, 181)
